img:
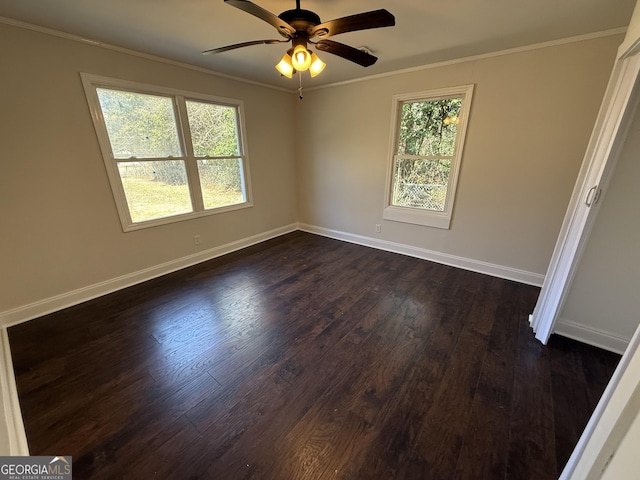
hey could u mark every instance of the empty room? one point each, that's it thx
(321, 240)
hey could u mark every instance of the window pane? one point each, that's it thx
(221, 182)
(155, 189)
(213, 129)
(139, 125)
(421, 183)
(429, 127)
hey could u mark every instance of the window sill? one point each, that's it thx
(186, 216)
(417, 217)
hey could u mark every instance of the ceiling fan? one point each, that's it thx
(302, 27)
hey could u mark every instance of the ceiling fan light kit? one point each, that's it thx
(300, 27)
(287, 65)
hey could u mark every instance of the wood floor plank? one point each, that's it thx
(532, 437)
(398, 449)
(151, 421)
(442, 428)
(571, 394)
(484, 451)
(306, 357)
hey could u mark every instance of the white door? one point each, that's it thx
(614, 118)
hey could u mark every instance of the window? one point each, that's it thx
(170, 155)
(426, 148)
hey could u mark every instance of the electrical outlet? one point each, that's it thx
(378, 228)
(196, 239)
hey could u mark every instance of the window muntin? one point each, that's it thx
(426, 149)
(170, 155)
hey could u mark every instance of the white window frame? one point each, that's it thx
(179, 97)
(419, 216)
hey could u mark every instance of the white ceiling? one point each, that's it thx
(425, 31)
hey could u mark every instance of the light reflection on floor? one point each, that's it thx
(196, 331)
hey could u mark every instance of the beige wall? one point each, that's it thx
(604, 296)
(60, 229)
(531, 118)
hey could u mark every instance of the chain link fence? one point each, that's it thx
(420, 195)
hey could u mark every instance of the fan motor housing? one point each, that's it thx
(300, 19)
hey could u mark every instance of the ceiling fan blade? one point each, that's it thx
(345, 51)
(361, 21)
(246, 6)
(240, 45)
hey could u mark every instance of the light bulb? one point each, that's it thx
(317, 65)
(301, 58)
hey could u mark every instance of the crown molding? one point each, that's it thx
(482, 56)
(472, 58)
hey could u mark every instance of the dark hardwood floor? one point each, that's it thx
(306, 358)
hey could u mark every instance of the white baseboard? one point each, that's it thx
(494, 270)
(591, 336)
(52, 304)
(15, 443)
